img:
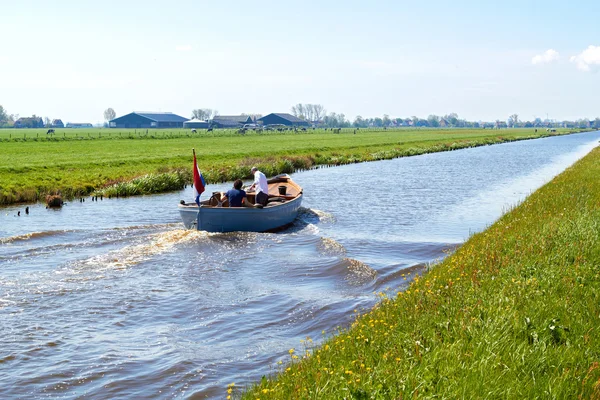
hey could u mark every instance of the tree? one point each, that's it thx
(198, 114)
(309, 112)
(204, 113)
(47, 122)
(254, 116)
(3, 116)
(583, 123)
(358, 122)
(319, 112)
(434, 121)
(298, 110)
(334, 120)
(386, 120)
(109, 114)
(452, 118)
(513, 120)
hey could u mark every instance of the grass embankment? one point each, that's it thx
(514, 313)
(80, 162)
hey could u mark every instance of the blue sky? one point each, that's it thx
(73, 59)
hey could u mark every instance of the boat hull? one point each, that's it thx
(245, 219)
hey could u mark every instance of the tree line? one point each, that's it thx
(452, 120)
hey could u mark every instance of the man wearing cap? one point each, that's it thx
(260, 186)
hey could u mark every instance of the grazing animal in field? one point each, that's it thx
(552, 130)
(209, 130)
(303, 129)
(50, 132)
(193, 131)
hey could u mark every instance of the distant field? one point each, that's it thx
(80, 161)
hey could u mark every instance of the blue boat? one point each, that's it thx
(285, 197)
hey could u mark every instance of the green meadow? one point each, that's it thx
(77, 162)
(512, 314)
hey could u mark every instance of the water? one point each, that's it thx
(113, 299)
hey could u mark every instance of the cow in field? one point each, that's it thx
(193, 131)
(50, 132)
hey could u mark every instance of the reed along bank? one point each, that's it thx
(512, 313)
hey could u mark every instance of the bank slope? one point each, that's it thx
(514, 313)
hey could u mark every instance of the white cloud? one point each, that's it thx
(183, 47)
(546, 57)
(588, 60)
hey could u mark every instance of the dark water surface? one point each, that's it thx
(114, 299)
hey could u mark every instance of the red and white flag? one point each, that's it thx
(199, 182)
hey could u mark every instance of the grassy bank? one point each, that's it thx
(80, 162)
(513, 313)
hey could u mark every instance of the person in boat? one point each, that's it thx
(236, 196)
(260, 186)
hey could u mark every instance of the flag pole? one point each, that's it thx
(195, 168)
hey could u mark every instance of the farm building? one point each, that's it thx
(29, 122)
(57, 123)
(230, 121)
(79, 125)
(195, 124)
(148, 120)
(283, 119)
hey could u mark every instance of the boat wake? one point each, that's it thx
(153, 245)
(32, 235)
(313, 216)
(330, 247)
(308, 220)
(359, 273)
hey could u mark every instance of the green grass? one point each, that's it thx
(77, 162)
(513, 313)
